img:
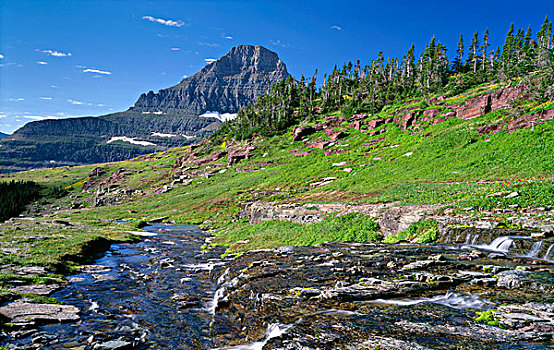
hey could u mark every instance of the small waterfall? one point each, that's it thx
(547, 254)
(455, 300)
(474, 240)
(468, 238)
(501, 244)
(457, 238)
(212, 304)
(535, 249)
(274, 330)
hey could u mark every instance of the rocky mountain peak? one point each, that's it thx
(222, 86)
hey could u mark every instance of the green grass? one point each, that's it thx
(354, 227)
(488, 318)
(450, 163)
(423, 231)
(56, 246)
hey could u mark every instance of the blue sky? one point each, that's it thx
(88, 57)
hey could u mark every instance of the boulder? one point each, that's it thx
(405, 121)
(211, 158)
(372, 124)
(301, 132)
(335, 135)
(329, 152)
(320, 126)
(437, 121)
(319, 145)
(358, 117)
(431, 113)
(236, 155)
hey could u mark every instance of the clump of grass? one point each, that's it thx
(423, 231)
(488, 318)
(354, 227)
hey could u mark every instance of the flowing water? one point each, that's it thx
(158, 293)
(163, 293)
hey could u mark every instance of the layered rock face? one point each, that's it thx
(223, 86)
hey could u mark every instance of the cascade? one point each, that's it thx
(547, 254)
(535, 249)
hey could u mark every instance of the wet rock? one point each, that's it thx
(38, 289)
(114, 345)
(31, 270)
(41, 313)
(513, 279)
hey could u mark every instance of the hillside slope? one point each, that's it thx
(469, 165)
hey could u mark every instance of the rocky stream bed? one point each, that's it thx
(164, 293)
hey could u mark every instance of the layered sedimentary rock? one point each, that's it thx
(223, 86)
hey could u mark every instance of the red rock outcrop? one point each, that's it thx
(302, 131)
(530, 120)
(239, 154)
(319, 145)
(334, 135)
(475, 107)
(372, 124)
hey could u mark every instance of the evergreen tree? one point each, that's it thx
(458, 61)
(473, 58)
(484, 48)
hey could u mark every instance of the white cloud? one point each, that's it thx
(175, 49)
(229, 37)
(335, 27)
(91, 70)
(278, 43)
(165, 22)
(18, 99)
(1, 56)
(39, 117)
(209, 60)
(54, 87)
(208, 44)
(42, 62)
(3, 116)
(75, 102)
(45, 98)
(56, 53)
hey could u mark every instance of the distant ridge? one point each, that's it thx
(2, 135)
(170, 118)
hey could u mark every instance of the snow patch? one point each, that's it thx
(159, 134)
(223, 117)
(131, 140)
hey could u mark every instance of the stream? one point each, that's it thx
(164, 293)
(155, 294)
